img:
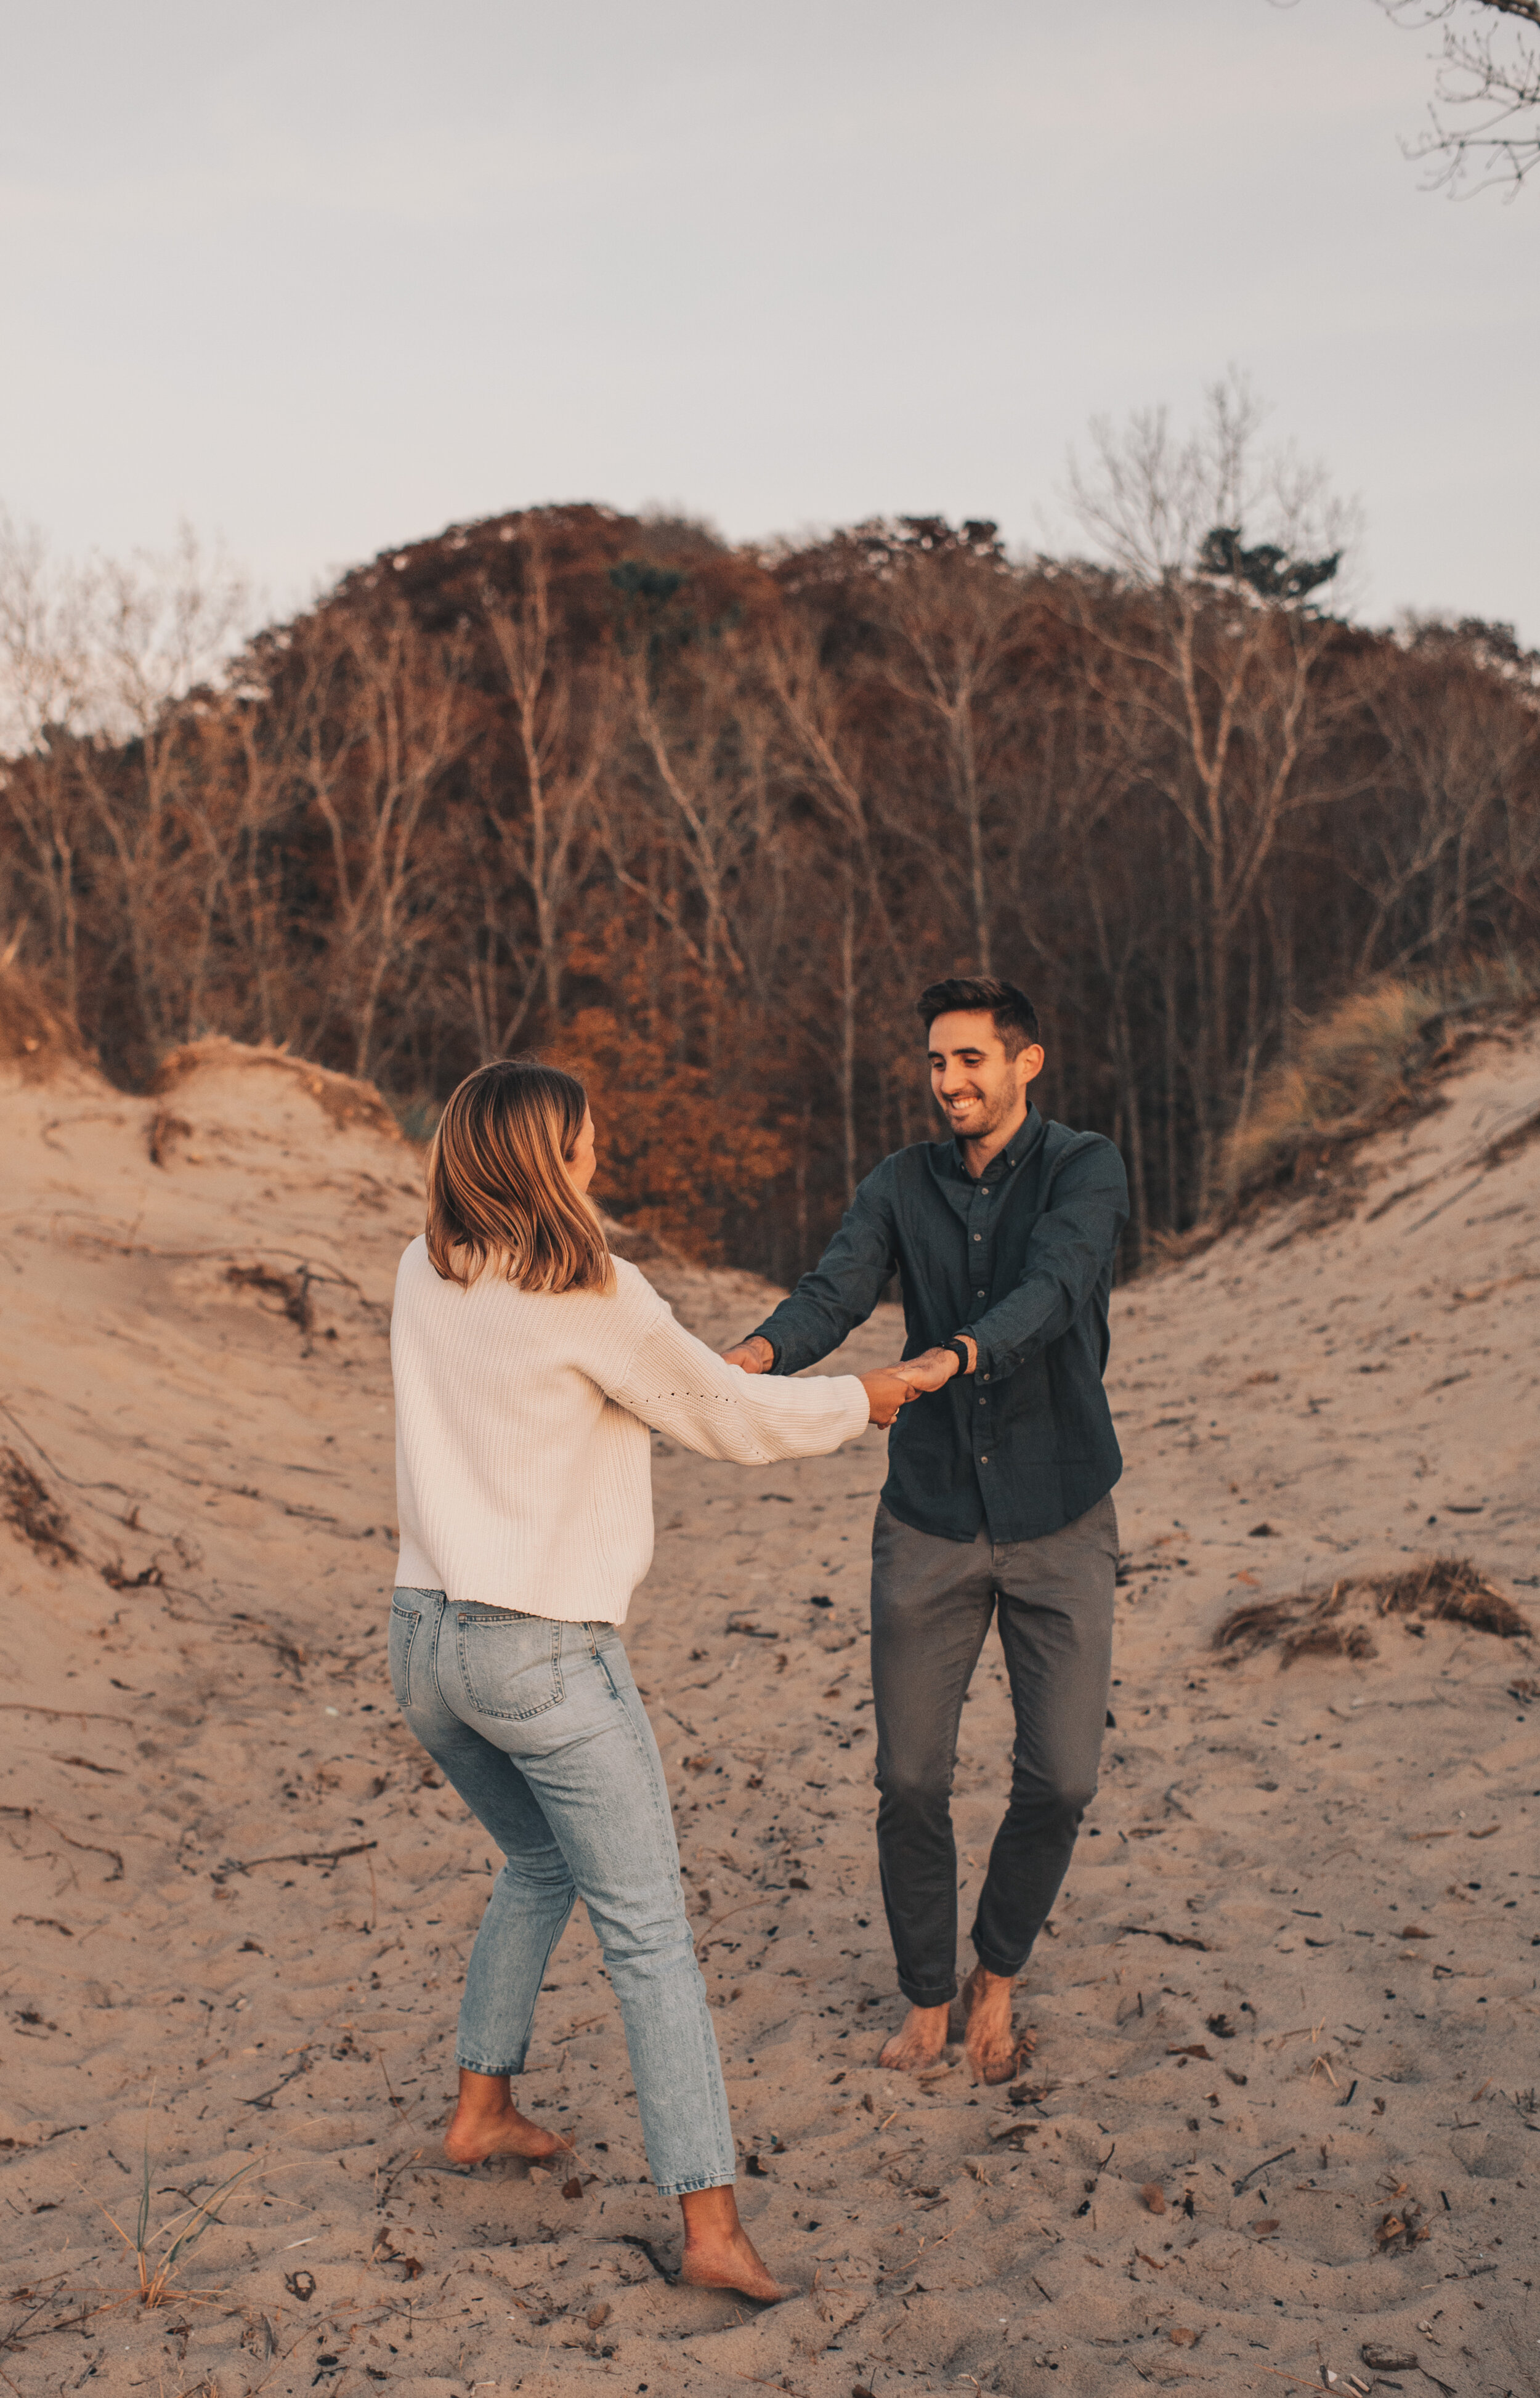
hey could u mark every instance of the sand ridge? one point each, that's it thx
(1280, 2107)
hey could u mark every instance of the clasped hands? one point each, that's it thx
(888, 1388)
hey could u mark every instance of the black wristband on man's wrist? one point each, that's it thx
(959, 1350)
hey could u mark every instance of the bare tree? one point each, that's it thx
(50, 682)
(1461, 831)
(826, 747)
(43, 648)
(956, 617)
(699, 765)
(383, 727)
(97, 664)
(1222, 670)
(1484, 117)
(48, 668)
(565, 725)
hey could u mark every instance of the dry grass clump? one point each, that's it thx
(1355, 1068)
(1312, 1623)
(340, 1097)
(292, 1290)
(27, 1506)
(35, 1042)
(1352, 1066)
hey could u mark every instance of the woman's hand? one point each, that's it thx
(888, 1390)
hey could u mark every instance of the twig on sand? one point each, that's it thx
(1257, 2171)
(92, 1848)
(397, 2102)
(265, 2097)
(1172, 1939)
(62, 1714)
(635, 2239)
(298, 1857)
(57, 1471)
(757, 2378)
(571, 2031)
(742, 1908)
(928, 2247)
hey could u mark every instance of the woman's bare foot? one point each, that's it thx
(989, 2040)
(719, 2254)
(487, 2123)
(918, 2041)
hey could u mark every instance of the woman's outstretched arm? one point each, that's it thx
(681, 1387)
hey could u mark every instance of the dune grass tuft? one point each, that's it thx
(156, 2274)
(1447, 1589)
(1356, 1064)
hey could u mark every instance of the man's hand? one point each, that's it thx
(754, 1355)
(892, 1387)
(934, 1366)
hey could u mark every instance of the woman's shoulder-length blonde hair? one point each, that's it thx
(499, 1190)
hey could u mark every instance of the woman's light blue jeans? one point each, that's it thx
(542, 1732)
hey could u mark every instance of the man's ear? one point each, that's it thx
(1032, 1061)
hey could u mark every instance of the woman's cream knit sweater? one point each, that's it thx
(523, 1469)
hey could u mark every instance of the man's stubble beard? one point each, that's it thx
(993, 1117)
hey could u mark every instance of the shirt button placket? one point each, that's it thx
(981, 1265)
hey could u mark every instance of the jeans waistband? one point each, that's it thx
(480, 1608)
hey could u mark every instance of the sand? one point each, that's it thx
(1280, 2120)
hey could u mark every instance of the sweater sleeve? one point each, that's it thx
(681, 1388)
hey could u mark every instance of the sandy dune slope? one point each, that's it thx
(1280, 2122)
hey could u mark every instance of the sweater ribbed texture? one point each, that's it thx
(523, 1469)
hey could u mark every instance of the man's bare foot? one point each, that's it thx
(918, 2041)
(989, 2042)
(487, 2123)
(719, 2254)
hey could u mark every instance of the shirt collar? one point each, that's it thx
(1019, 1147)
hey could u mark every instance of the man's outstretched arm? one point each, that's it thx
(838, 1293)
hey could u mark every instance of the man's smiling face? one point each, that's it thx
(979, 1086)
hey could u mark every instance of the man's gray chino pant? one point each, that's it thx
(931, 1604)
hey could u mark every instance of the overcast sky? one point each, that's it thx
(323, 275)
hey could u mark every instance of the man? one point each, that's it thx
(997, 1499)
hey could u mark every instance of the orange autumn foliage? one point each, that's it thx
(683, 1151)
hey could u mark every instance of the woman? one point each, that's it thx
(528, 1364)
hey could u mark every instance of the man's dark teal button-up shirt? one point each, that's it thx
(1022, 1261)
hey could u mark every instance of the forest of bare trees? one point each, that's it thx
(700, 820)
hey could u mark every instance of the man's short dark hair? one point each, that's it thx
(1015, 1016)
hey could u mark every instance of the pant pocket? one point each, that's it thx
(608, 1651)
(511, 1664)
(404, 1623)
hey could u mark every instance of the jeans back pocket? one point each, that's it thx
(511, 1664)
(404, 1623)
